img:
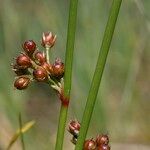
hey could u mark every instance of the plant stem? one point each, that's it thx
(98, 72)
(68, 72)
(47, 54)
(21, 135)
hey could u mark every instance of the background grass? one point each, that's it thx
(122, 107)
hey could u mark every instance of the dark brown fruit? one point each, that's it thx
(58, 68)
(102, 140)
(47, 67)
(89, 145)
(21, 83)
(40, 74)
(23, 61)
(29, 47)
(74, 127)
(19, 71)
(40, 57)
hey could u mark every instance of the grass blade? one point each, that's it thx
(24, 129)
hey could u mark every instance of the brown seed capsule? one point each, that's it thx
(40, 57)
(89, 145)
(19, 71)
(74, 127)
(40, 74)
(102, 140)
(29, 47)
(103, 147)
(48, 39)
(23, 61)
(47, 67)
(21, 83)
(58, 68)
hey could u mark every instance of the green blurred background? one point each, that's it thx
(123, 105)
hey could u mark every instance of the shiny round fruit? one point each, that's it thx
(29, 47)
(21, 83)
(40, 74)
(74, 127)
(89, 145)
(102, 140)
(40, 57)
(47, 67)
(58, 68)
(23, 61)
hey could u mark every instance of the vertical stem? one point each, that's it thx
(47, 54)
(68, 72)
(21, 135)
(98, 72)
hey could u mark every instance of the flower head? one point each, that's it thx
(48, 39)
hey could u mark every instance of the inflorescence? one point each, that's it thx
(34, 65)
(101, 142)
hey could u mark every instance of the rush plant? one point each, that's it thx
(33, 65)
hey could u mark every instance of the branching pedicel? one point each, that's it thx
(34, 65)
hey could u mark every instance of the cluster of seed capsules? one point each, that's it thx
(101, 142)
(33, 64)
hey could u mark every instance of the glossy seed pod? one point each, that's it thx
(20, 71)
(23, 61)
(40, 74)
(89, 145)
(102, 140)
(21, 83)
(40, 57)
(74, 127)
(58, 68)
(47, 67)
(29, 47)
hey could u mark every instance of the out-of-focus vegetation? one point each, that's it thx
(123, 104)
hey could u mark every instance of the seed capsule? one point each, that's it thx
(29, 47)
(58, 68)
(19, 71)
(89, 145)
(102, 140)
(23, 61)
(40, 57)
(21, 83)
(48, 39)
(40, 74)
(47, 67)
(74, 127)
(103, 147)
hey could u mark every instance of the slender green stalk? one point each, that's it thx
(68, 72)
(21, 135)
(98, 72)
(47, 54)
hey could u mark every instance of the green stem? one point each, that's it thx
(98, 72)
(47, 54)
(21, 134)
(68, 72)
